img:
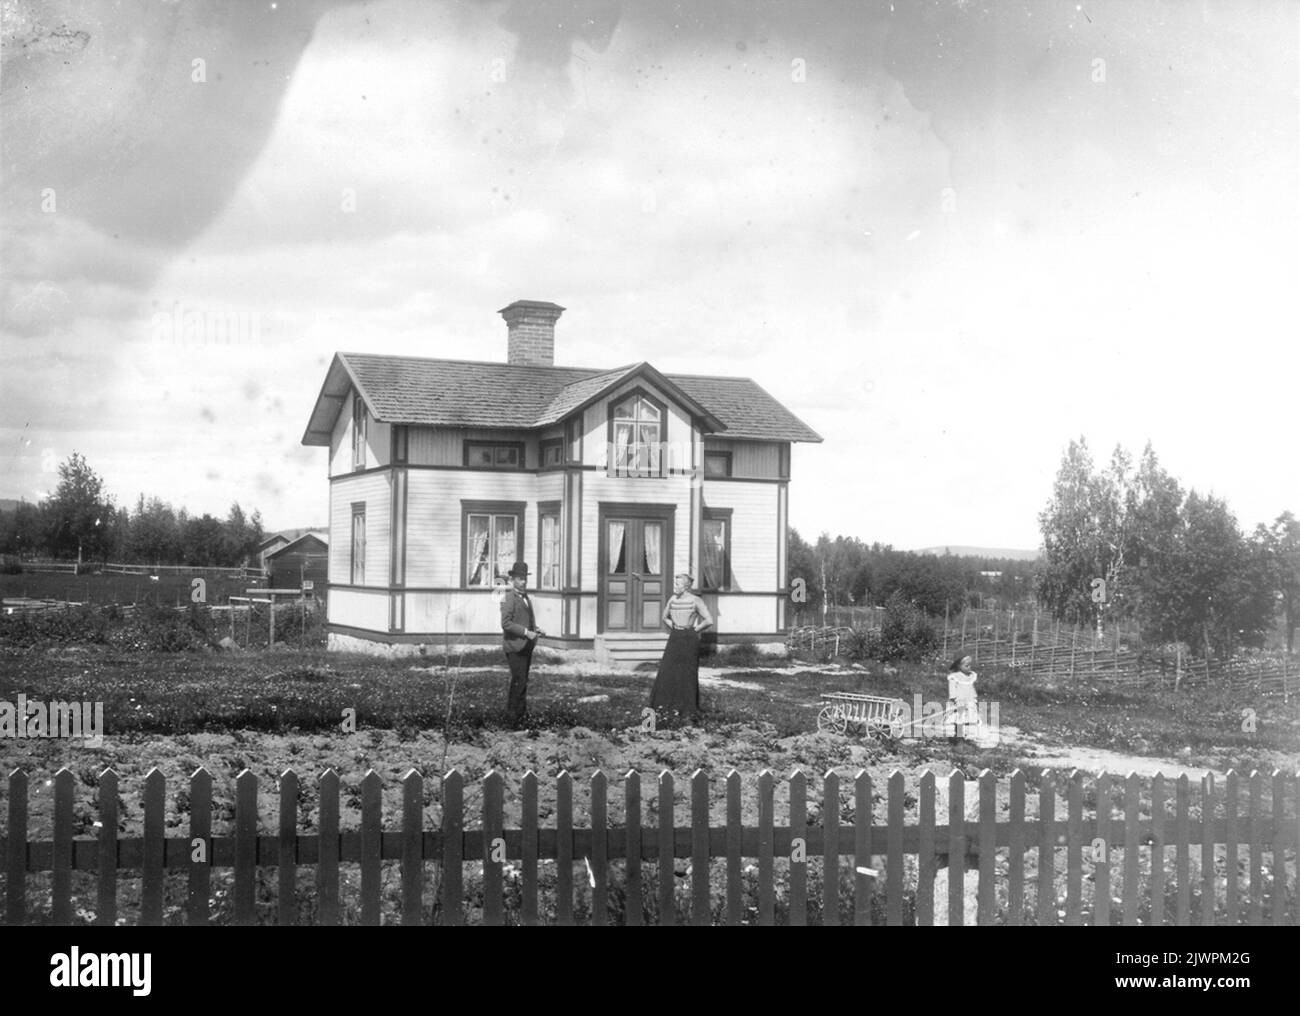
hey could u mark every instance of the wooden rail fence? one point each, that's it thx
(1132, 850)
(1040, 647)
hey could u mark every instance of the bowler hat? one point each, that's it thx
(519, 569)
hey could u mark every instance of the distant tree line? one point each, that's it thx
(844, 571)
(80, 522)
(1131, 544)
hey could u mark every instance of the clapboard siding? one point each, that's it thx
(595, 422)
(359, 608)
(598, 488)
(743, 615)
(433, 517)
(754, 460)
(754, 545)
(378, 442)
(373, 489)
(476, 612)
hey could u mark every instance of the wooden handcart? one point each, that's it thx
(876, 715)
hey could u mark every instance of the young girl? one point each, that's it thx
(962, 710)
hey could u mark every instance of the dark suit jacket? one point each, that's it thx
(516, 618)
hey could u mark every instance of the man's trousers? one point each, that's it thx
(517, 699)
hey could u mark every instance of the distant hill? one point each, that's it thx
(9, 504)
(1007, 553)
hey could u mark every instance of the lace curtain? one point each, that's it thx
(713, 560)
(652, 563)
(478, 550)
(617, 530)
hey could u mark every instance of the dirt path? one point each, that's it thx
(1094, 760)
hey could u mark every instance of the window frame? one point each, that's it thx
(725, 516)
(360, 431)
(547, 445)
(726, 456)
(357, 568)
(518, 446)
(611, 466)
(495, 510)
(401, 445)
(550, 509)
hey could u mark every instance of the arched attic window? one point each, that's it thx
(638, 425)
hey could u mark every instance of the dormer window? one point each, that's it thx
(638, 426)
(358, 432)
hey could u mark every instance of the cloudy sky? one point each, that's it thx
(950, 236)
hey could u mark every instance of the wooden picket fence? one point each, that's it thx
(1114, 846)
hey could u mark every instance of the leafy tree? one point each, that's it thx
(1155, 540)
(840, 560)
(1221, 576)
(1280, 545)
(240, 537)
(1083, 534)
(203, 541)
(155, 533)
(78, 513)
(801, 564)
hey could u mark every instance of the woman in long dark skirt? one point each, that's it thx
(677, 687)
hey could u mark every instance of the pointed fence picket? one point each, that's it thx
(1125, 855)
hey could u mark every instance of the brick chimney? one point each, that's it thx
(530, 326)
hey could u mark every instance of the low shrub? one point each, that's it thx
(863, 645)
(906, 633)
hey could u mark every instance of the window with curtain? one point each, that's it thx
(549, 566)
(617, 548)
(491, 547)
(358, 545)
(637, 437)
(650, 534)
(714, 566)
(358, 432)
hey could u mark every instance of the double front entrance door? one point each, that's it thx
(636, 555)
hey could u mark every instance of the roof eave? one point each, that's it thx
(320, 435)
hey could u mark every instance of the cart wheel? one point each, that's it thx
(831, 721)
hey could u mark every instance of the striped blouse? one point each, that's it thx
(682, 611)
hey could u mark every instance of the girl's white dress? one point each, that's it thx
(961, 700)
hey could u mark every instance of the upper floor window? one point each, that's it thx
(358, 432)
(495, 454)
(717, 464)
(637, 427)
(552, 453)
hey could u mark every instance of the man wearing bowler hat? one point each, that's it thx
(520, 634)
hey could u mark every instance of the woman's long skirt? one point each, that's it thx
(677, 687)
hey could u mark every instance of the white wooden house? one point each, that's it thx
(606, 482)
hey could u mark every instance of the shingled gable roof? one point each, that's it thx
(464, 393)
